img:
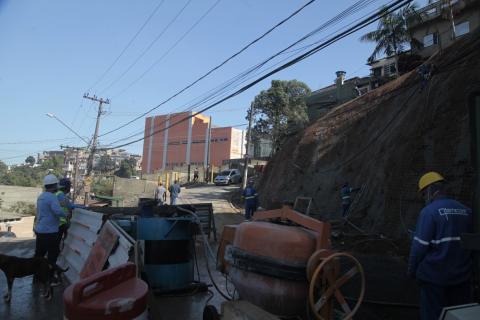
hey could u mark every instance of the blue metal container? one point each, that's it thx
(168, 252)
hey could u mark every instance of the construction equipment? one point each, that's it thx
(282, 262)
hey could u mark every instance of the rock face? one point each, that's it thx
(385, 140)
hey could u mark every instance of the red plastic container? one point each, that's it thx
(114, 294)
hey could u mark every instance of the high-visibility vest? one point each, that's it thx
(62, 220)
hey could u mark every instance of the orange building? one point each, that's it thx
(170, 142)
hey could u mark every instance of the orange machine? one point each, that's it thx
(282, 259)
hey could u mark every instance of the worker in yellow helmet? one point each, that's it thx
(437, 260)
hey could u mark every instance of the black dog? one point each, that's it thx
(39, 267)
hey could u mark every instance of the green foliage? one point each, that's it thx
(30, 160)
(105, 164)
(3, 168)
(127, 168)
(279, 107)
(24, 208)
(27, 176)
(103, 186)
(392, 34)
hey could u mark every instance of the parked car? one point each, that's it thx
(227, 177)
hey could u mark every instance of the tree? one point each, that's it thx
(277, 108)
(3, 168)
(30, 160)
(127, 168)
(105, 164)
(392, 33)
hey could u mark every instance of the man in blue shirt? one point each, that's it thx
(174, 192)
(251, 203)
(47, 221)
(437, 260)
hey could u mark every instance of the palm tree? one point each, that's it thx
(392, 34)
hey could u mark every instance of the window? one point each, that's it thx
(430, 40)
(462, 28)
(377, 72)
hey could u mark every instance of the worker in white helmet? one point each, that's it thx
(442, 267)
(47, 220)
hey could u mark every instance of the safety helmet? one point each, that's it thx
(50, 179)
(65, 184)
(428, 179)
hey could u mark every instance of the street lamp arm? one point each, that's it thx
(51, 115)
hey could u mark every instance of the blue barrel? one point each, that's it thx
(168, 252)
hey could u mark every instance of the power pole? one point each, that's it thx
(75, 169)
(100, 101)
(93, 147)
(249, 133)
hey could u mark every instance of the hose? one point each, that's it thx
(208, 249)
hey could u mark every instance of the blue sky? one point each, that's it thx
(52, 51)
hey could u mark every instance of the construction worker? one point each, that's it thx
(174, 192)
(160, 194)
(346, 196)
(47, 220)
(67, 205)
(437, 259)
(195, 175)
(251, 202)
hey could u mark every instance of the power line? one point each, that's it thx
(229, 58)
(365, 22)
(127, 46)
(247, 75)
(343, 14)
(147, 48)
(37, 141)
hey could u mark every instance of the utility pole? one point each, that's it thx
(246, 156)
(75, 169)
(93, 147)
(100, 101)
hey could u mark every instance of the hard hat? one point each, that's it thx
(50, 179)
(428, 179)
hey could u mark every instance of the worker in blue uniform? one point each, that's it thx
(437, 260)
(251, 200)
(47, 220)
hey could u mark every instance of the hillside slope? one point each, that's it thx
(385, 139)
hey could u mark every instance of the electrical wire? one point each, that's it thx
(330, 22)
(208, 251)
(229, 58)
(147, 48)
(126, 47)
(365, 22)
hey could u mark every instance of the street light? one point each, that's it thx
(51, 115)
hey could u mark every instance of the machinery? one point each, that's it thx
(282, 262)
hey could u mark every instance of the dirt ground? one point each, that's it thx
(384, 141)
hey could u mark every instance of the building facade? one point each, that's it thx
(440, 23)
(343, 90)
(171, 142)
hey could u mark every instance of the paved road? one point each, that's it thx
(219, 196)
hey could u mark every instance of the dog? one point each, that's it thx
(39, 267)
